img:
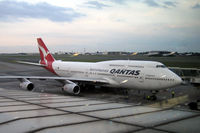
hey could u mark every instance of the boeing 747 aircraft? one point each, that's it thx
(130, 74)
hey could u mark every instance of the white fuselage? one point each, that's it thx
(146, 75)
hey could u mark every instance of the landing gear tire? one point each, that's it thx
(125, 92)
(153, 97)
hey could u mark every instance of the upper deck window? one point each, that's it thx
(160, 66)
(116, 65)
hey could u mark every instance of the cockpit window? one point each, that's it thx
(160, 66)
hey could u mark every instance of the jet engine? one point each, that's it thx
(26, 84)
(71, 88)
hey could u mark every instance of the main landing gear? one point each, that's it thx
(153, 97)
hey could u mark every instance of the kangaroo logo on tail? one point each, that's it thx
(46, 57)
(44, 54)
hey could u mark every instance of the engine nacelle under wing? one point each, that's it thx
(71, 88)
(26, 84)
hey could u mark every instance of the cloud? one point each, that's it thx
(196, 6)
(170, 4)
(96, 5)
(159, 4)
(12, 10)
(118, 1)
(151, 3)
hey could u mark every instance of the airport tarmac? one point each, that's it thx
(23, 111)
(47, 109)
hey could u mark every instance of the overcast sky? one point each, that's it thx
(103, 25)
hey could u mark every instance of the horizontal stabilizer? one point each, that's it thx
(31, 63)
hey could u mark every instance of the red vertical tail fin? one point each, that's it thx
(44, 53)
(46, 58)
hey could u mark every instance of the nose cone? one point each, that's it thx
(178, 80)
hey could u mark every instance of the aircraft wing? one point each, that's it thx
(91, 80)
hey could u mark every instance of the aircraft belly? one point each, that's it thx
(127, 83)
(155, 85)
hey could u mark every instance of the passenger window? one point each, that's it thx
(160, 66)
